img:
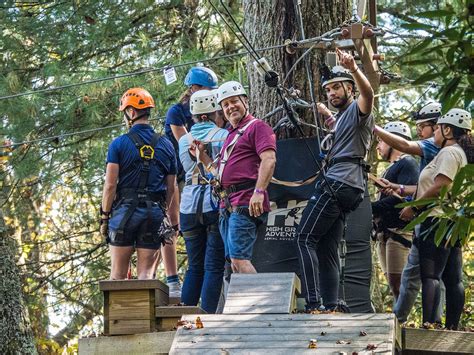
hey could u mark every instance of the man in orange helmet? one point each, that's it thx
(139, 185)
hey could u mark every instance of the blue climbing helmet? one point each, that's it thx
(201, 76)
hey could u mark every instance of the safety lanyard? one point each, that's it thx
(230, 148)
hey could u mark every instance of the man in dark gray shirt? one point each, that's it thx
(322, 224)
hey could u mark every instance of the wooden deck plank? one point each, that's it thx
(353, 336)
(177, 311)
(303, 344)
(442, 341)
(149, 343)
(313, 332)
(260, 351)
(114, 285)
(300, 317)
(251, 333)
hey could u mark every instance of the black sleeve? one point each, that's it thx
(408, 171)
(384, 205)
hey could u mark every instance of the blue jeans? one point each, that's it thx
(239, 232)
(205, 251)
(410, 286)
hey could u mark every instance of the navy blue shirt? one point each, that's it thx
(405, 172)
(123, 152)
(178, 115)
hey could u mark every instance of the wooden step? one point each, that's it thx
(287, 334)
(262, 293)
(168, 317)
(129, 305)
(149, 343)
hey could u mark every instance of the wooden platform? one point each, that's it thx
(423, 341)
(286, 334)
(262, 293)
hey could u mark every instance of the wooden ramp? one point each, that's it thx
(262, 293)
(288, 334)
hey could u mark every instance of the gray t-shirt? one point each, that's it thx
(352, 137)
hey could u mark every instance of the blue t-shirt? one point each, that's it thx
(178, 115)
(191, 193)
(122, 151)
(429, 149)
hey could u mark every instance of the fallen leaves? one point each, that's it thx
(313, 344)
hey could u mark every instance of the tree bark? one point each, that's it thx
(15, 333)
(269, 23)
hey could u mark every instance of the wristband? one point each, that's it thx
(175, 227)
(402, 190)
(259, 191)
(352, 72)
(103, 213)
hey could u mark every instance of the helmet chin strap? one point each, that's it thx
(445, 139)
(130, 121)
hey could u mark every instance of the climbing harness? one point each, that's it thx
(140, 196)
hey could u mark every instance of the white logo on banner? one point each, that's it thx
(292, 215)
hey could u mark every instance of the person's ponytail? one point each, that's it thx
(464, 139)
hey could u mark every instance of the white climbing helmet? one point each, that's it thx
(399, 128)
(429, 112)
(229, 89)
(457, 117)
(203, 101)
(337, 73)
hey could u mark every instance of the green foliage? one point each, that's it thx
(437, 47)
(455, 222)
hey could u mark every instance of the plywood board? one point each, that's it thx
(133, 304)
(262, 293)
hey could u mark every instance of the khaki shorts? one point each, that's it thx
(392, 254)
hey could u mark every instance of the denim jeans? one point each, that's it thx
(410, 286)
(205, 251)
(239, 232)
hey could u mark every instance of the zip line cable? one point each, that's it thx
(247, 45)
(136, 73)
(69, 134)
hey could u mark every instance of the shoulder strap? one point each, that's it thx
(135, 138)
(230, 148)
(212, 133)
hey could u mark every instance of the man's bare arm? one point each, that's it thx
(110, 186)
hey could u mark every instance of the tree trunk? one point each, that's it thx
(269, 23)
(15, 333)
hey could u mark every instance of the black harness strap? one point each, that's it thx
(140, 195)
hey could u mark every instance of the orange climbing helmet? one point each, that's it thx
(137, 98)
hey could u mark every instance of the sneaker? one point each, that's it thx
(174, 290)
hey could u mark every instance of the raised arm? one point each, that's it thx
(365, 101)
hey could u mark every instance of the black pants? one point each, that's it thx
(318, 237)
(438, 263)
